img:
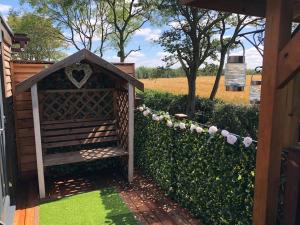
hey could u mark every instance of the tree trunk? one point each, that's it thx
(191, 98)
(121, 53)
(218, 76)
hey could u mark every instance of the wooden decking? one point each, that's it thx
(27, 204)
(151, 206)
(148, 203)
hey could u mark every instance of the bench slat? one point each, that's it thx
(81, 142)
(85, 130)
(77, 125)
(83, 155)
(79, 136)
(70, 121)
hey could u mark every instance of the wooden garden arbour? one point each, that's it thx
(99, 112)
(280, 101)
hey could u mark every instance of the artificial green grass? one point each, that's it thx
(104, 206)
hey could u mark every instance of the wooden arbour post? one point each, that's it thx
(273, 114)
(38, 141)
(130, 132)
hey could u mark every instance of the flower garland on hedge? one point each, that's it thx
(193, 127)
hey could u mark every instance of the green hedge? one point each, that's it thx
(174, 103)
(205, 174)
(239, 119)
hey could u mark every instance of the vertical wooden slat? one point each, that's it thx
(292, 189)
(130, 132)
(273, 115)
(38, 142)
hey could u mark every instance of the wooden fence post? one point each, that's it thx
(273, 119)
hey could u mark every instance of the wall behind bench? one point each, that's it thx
(23, 117)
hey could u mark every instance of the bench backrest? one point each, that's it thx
(77, 132)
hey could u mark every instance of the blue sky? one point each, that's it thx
(150, 54)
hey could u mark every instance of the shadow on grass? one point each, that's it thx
(118, 213)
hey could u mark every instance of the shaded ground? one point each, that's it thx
(143, 198)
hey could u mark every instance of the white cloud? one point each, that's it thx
(4, 9)
(175, 24)
(253, 58)
(77, 38)
(140, 59)
(138, 54)
(148, 60)
(149, 34)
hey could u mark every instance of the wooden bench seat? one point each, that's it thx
(79, 133)
(83, 155)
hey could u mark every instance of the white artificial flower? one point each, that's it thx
(169, 123)
(247, 141)
(161, 117)
(146, 112)
(231, 139)
(212, 130)
(199, 130)
(154, 116)
(141, 108)
(225, 133)
(167, 116)
(192, 127)
(182, 126)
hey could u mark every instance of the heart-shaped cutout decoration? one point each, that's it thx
(79, 74)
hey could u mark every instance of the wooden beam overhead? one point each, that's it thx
(246, 7)
(288, 62)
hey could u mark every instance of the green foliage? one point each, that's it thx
(210, 69)
(188, 40)
(206, 175)
(126, 17)
(45, 40)
(238, 119)
(174, 103)
(167, 72)
(159, 72)
(81, 21)
(235, 118)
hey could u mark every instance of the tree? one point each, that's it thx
(126, 17)
(189, 41)
(45, 42)
(83, 21)
(238, 23)
(209, 69)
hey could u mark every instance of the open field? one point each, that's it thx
(203, 88)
